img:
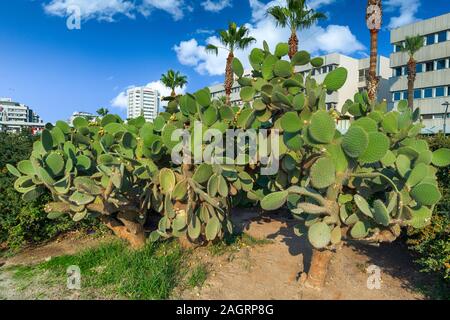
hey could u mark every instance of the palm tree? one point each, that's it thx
(411, 46)
(374, 20)
(297, 16)
(173, 80)
(102, 112)
(231, 39)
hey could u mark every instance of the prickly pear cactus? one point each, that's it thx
(363, 184)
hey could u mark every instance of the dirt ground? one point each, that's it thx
(266, 271)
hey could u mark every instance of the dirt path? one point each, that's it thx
(266, 271)
(272, 271)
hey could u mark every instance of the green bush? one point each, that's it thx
(432, 244)
(22, 222)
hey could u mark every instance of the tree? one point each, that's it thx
(232, 39)
(411, 46)
(296, 16)
(173, 80)
(102, 112)
(374, 20)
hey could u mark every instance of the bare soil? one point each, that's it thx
(271, 270)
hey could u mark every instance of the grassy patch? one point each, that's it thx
(198, 276)
(150, 273)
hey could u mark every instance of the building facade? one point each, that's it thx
(432, 85)
(15, 116)
(143, 101)
(356, 81)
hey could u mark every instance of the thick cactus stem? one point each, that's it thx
(128, 230)
(318, 270)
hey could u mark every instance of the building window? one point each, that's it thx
(398, 47)
(417, 94)
(442, 36)
(398, 71)
(430, 39)
(440, 64)
(419, 67)
(448, 91)
(397, 96)
(440, 91)
(429, 66)
(428, 93)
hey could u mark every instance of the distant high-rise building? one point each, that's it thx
(15, 116)
(143, 101)
(432, 85)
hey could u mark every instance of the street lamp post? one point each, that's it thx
(445, 104)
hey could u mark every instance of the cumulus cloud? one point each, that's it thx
(121, 100)
(317, 40)
(100, 9)
(106, 10)
(407, 10)
(216, 5)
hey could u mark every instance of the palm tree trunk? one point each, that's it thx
(411, 80)
(372, 85)
(229, 78)
(293, 44)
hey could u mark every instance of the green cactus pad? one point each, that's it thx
(336, 235)
(282, 69)
(247, 94)
(335, 79)
(323, 127)
(188, 105)
(377, 148)
(441, 157)
(212, 228)
(293, 141)
(167, 180)
(403, 165)
(194, 228)
(426, 194)
(58, 136)
(359, 230)
(317, 62)
(281, 50)
(47, 140)
(268, 66)
(12, 170)
(80, 122)
(203, 97)
(238, 69)
(291, 122)
(301, 58)
(87, 185)
(180, 190)
(323, 173)
(319, 235)
(81, 198)
(363, 206)
(26, 167)
(299, 101)
(417, 174)
(256, 57)
(367, 124)
(274, 201)
(54, 164)
(420, 217)
(390, 122)
(380, 213)
(203, 173)
(355, 142)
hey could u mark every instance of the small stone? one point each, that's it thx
(48, 259)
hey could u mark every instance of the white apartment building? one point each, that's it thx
(15, 116)
(356, 81)
(87, 115)
(143, 101)
(432, 85)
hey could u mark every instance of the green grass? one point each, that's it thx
(198, 276)
(147, 274)
(232, 243)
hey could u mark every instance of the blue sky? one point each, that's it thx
(124, 43)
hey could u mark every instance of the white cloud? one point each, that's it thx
(121, 100)
(100, 9)
(106, 10)
(317, 40)
(216, 5)
(314, 4)
(407, 10)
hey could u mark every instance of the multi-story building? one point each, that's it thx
(15, 116)
(87, 115)
(356, 81)
(432, 85)
(143, 101)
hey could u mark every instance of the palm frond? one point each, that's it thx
(413, 44)
(279, 15)
(212, 49)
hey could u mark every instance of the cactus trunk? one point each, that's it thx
(373, 80)
(318, 269)
(229, 77)
(411, 79)
(126, 229)
(293, 44)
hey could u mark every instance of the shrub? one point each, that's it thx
(432, 244)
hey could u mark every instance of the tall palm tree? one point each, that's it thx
(173, 80)
(411, 46)
(374, 16)
(297, 16)
(102, 112)
(232, 39)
